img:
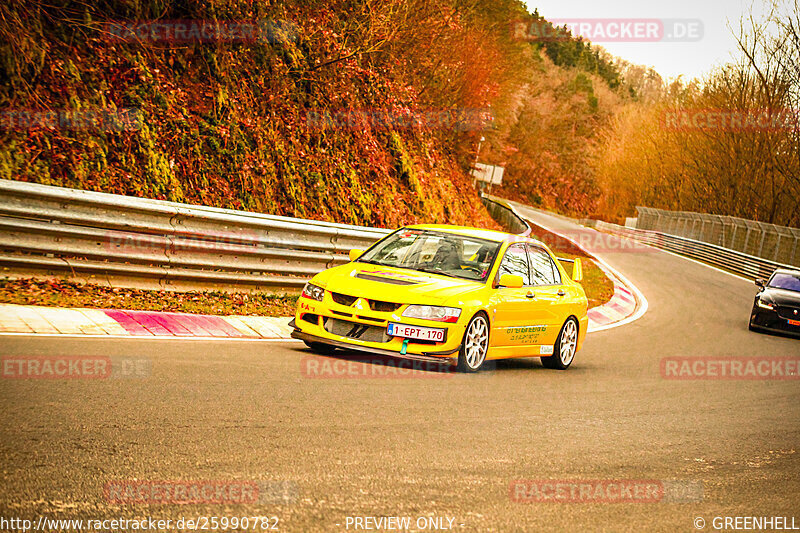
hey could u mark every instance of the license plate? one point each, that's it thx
(416, 332)
(794, 322)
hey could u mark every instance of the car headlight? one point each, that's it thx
(314, 292)
(433, 312)
(765, 305)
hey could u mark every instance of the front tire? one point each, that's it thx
(475, 345)
(320, 348)
(565, 348)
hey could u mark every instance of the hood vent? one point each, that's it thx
(391, 281)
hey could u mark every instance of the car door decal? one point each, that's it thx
(526, 334)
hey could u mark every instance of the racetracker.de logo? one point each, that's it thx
(593, 241)
(741, 120)
(459, 119)
(731, 368)
(200, 31)
(75, 367)
(107, 120)
(205, 491)
(208, 242)
(608, 30)
(366, 367)
(604, 491)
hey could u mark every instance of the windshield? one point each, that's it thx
(438, 253)
(785, 281)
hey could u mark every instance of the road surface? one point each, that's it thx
(428, 445)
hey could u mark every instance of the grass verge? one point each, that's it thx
(60, 293)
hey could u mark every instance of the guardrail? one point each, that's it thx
(760, 239)
(120, 239)
(504, 214)
(730, 260)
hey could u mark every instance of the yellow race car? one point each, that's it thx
(448, 294)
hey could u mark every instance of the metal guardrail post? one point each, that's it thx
(747, 239)
(732, 245)
(717, 231)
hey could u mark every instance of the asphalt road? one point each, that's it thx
(429, 444)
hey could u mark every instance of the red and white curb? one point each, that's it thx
(40, 320)
(626, 305)
(621, 306)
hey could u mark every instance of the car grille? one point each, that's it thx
(354, 330)
(343, 299)
(383, 307)
(788, 312)
(375, 305)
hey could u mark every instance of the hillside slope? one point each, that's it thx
(358, 111)
(228, 124)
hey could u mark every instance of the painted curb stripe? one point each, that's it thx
(170, 324)
(128, 323)
(63, 320)
(210, 325)
(105, 322)
(35, 321)
(261, 326)
(194, 327)
(147, 321)
(243, 328)
(11, 323)
(220, 327)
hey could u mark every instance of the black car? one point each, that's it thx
(777, 305)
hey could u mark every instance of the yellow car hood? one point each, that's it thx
(398, 285)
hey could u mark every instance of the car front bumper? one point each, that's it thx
(366, 330)
(768, 320)
(441, 358)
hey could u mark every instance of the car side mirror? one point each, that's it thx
(355, 254)
(577, 270)
(760, 283)
(512, 281)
